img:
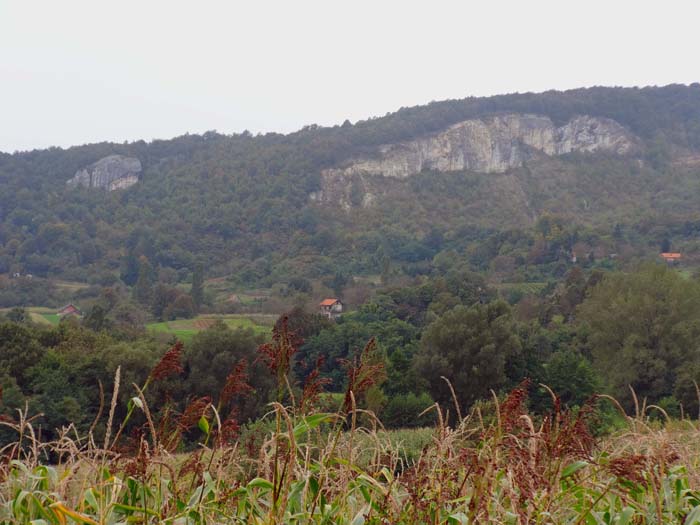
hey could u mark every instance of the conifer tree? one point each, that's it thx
(197, 291)
(143, 289)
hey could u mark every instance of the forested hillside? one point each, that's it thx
(241, 203)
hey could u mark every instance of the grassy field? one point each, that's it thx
(69, 286)
(39, 314)
(185, 329)
(224, 292)
(52, 319)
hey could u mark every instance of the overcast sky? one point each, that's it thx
(75, 72)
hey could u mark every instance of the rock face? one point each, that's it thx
(114, 172)
(492, 144)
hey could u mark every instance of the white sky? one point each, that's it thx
(73, 72)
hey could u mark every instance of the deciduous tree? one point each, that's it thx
(469, 347)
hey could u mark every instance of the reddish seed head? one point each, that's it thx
(229, 431)
(313, 386)
(362, 373)
(193, 465)
(277, 355)
(194, 411)
(169, 364)
(514, 406)
(236, 383)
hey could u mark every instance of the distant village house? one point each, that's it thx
(671, 258)
(70, 310)
(331, 308)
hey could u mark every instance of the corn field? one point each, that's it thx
(497, 464)
(342, 468)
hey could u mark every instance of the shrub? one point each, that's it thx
(403, 410)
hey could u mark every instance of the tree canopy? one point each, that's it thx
(470, 347)
(644, 329)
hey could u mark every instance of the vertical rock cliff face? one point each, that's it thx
(111, 173)
(589, 134)
(493, 144)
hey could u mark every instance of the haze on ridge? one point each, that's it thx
(78, 72)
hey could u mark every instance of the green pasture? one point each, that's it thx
(39, 314)
(52, 319)
(185, 329)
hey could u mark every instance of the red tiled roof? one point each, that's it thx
(328, 302)
(671, 255)
(69, 309)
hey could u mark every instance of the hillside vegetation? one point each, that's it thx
(241, 202)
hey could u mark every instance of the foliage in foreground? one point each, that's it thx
(342, 468)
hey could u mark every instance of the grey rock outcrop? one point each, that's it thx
(494, 145)
(113, 172)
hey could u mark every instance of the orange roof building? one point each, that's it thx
(671, 257)
(331, 308)
(68, 310)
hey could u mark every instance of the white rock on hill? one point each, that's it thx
(493, 144)
(111, 173)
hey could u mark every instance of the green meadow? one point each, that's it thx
(185, 329)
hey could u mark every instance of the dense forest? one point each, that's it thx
(240, 204)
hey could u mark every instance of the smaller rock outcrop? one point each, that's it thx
(114, 172)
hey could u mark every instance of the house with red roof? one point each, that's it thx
(331, 308)
(671, 258)
(69, 310)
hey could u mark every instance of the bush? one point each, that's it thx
(671, 406)
(403, 411)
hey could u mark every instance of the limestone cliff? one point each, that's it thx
(111, 173)
(492, 144)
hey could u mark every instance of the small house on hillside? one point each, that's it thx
(671, 258)
(331, 308)
(69, 310)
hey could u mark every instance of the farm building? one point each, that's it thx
(68, 310)
(331, 308)
(671, 258)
